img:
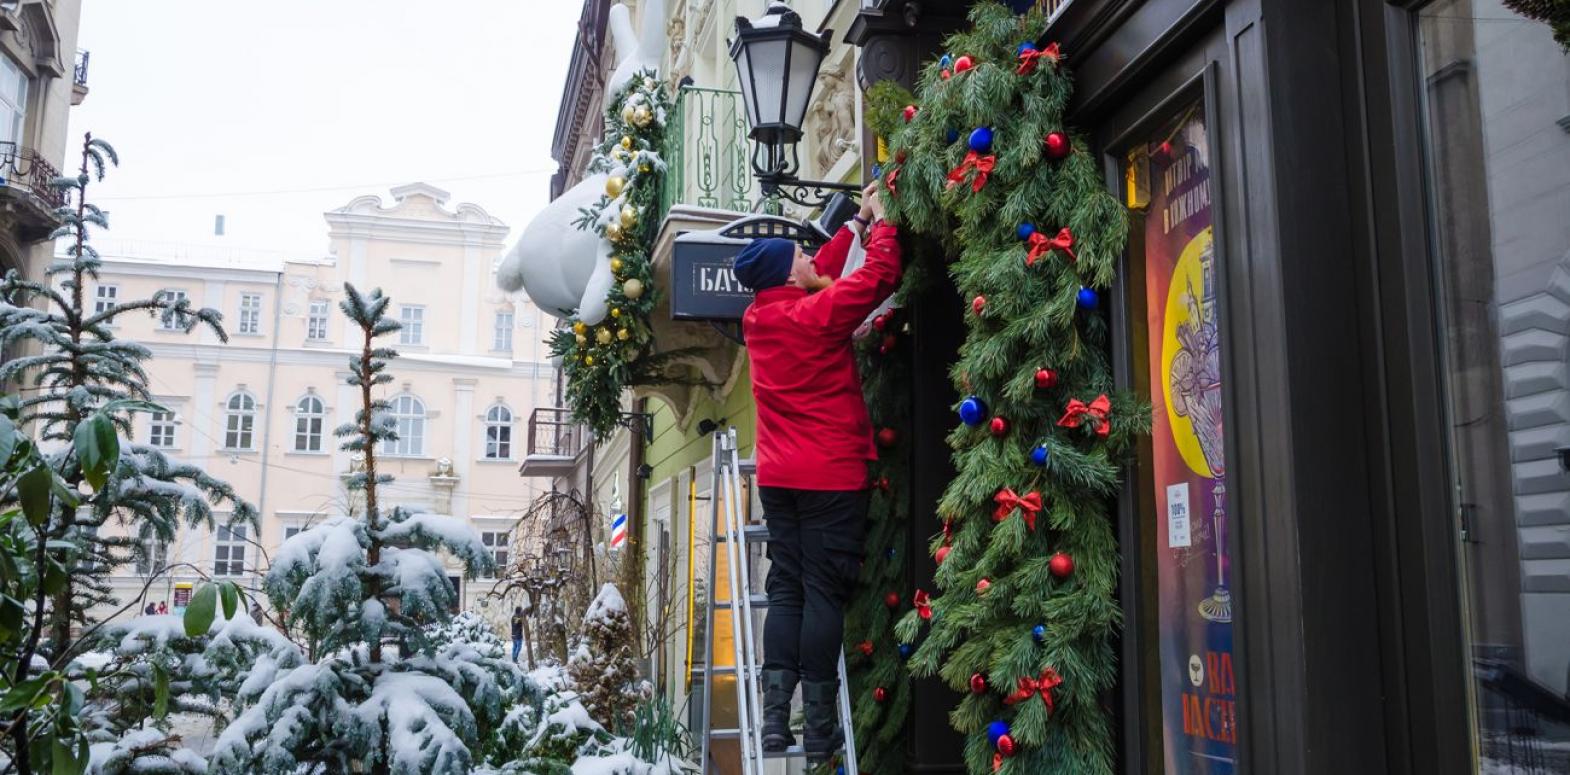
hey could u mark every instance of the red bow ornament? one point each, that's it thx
(1008, 500)
(888, 181)
(1030, 687)
(1078, 413)
(1040, 245)
(1030, 57)
(923, 603)
(973, 161)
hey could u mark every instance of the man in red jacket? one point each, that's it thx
(814, 441)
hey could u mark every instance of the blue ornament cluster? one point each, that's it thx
(972, 411)
(981, 139)
(996, 730)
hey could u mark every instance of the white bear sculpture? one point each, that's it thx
(565, 270)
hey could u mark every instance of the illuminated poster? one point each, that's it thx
(1189, 473)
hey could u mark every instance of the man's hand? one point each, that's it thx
(872, 202)
(807, 277)
(867, 195)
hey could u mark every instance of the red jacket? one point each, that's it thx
(813, 429)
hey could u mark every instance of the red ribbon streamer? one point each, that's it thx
(973, 161)
(923, 603)
(1029, 58)
(1041, 245)
(1078, 412)
(1008, 500)
(888, 181)
(1030, 687)
(997, 762)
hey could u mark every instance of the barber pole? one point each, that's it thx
(618, 531)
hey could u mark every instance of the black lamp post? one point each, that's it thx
(777, 63)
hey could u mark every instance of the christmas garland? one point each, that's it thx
(603, 360)
(1024, 614)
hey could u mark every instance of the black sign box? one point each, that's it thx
(703, 286)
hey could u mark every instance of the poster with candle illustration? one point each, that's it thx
(1189, 473)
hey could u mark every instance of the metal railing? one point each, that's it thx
(79, 74)
(22, 167)
(706, 153)
(1525, 727)
(553, 432)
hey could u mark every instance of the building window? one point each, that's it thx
(151, 556)
(408, 415)
(160, 430)
(13, 100)
(292, 530)
(413, 319)
(496, 543)
(316, 321)
(239, 421)
(309, 414)
(250, 313)
(171, 322)
(498, 433)
(229, 551)
(105, 297)
(502, 342)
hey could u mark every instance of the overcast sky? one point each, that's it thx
(273, 112)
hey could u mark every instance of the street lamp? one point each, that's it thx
(777, 63)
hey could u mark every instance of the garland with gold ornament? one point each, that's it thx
(603, 360)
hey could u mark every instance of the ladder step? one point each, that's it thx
(789, 753)
(753, 532)
(758, 601)
(697, 672)
(747, 466)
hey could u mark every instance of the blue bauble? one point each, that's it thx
(877, 171)
(1025, 230)
(1087, 298)
(889, 553)
(905, 650)
(1039, 633)
(946, 62)
(1039, 455)
(972, 411)
(981, 139)
(996, 730)
(840, 770)
(952, 135)
(1023, 47)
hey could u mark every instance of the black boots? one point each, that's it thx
(822, 734)
(778, 686)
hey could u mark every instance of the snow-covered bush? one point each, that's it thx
(145, 752)
(603, 666)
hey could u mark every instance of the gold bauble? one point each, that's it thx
(615, 184)
(626, 142)
(603, 336)
(629, 216)
(615, 267)
(588, 360)
(582, 340)
(644, 168)
(620, 154)
(579, 327)
(642, 116)
(623, 334)
(633, 288)
(627, 114)
(613, 231)
(615, 311)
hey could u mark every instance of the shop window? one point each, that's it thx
(1495, 108)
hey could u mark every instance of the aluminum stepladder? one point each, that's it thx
(746, 629)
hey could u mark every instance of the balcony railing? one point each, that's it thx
(23, 168)
(79, 75)
(555, 442)
(706, 153)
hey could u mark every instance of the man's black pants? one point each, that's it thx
(815, 549)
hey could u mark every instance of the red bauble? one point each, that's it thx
(1061, 565)
(865, 647)
(963, 63)
(944, 74)
(1046, 378)
(978, 304)
(883, 483)
(891, 600)
(880, 694)
(982, 586)
(1006, 745)
(943, 554)
(1058, 145)
(978, 684)
(910, 112)
(899, 156)
(887, 437)
(999, 426)
(888, 345)
(880, 322)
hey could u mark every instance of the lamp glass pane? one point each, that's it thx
(803, 74)
(744, 75)
(768, 69)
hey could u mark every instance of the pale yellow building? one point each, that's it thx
(260, 410)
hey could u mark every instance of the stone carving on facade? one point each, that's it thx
(833, 117)
(680, 49)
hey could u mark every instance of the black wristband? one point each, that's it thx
(858, 219)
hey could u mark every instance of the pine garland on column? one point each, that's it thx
(1023, 617)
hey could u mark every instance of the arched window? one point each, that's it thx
(239, 421)
(408, 415)
(309, 415)
(498, 433)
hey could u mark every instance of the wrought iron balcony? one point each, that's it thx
(25, 178)
(79, 77)
(556, 443)
(706, 153)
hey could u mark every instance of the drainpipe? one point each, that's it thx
(267, 414)
(638, 492)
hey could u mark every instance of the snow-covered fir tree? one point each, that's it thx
(604, 667)
(352, 585)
